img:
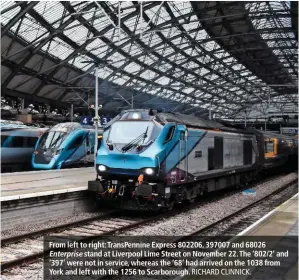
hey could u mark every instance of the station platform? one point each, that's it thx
(280, 222)
(20, 185)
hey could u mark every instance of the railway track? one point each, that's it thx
(19, 250)
(60, 228)
(235, 222)
(15, 253)
(241, 219)
(108, 224)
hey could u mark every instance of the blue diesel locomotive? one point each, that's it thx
(149, 160)
(63, 145)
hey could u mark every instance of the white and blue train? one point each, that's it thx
(64, 144)
(150, 160)
(17, 145)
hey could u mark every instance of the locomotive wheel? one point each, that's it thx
(97, 201)
(192, 200)
(169, 205)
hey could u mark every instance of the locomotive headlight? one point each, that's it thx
(149, 171)
(102, 168)
(135, 116)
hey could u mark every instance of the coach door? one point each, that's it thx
(183, 166)
(210, 158)
(247, 152)
(218, 152)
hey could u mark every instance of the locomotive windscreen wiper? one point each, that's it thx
(135, 142)
(145, 135)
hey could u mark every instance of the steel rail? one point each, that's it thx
(34, 257)
(209, 227)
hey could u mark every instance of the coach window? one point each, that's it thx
(269, 146)
(32, 141)
(3, 138)
(17, 142)
(169, 134)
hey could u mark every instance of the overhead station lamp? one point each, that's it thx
(93, 107)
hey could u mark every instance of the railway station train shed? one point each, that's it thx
(199, 94)
(229, 60)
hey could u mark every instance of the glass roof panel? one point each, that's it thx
(60, 49)
(29, 31)
(52, 11)
(6, 17)
(78, 34)
(154, 55)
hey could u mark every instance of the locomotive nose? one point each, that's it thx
(44, 159)
(47, 153)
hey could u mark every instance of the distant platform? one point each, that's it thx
(20, 185)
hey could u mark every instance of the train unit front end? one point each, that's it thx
(149, 161)
(63, 145)
(129, 162)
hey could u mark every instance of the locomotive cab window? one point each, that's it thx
(169, 134)
(123, 132)
(52, 139)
